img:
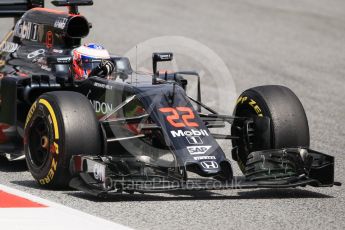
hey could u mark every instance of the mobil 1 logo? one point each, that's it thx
(194, 140)
(26, 30)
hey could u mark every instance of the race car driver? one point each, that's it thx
(91, 60)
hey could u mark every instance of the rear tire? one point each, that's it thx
(58, 126)
(289, 124)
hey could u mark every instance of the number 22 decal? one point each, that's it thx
(180, 117)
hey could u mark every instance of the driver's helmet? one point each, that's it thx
(86, 58)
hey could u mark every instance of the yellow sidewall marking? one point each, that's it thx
(52, 114)
(31, 112)
(241, 99)
(56, 148)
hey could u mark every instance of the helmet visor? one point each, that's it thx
(89, 64)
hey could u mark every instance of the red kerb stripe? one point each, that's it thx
(8, 200)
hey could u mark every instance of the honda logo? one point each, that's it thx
(209, 165)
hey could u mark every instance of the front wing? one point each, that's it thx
(100, 176)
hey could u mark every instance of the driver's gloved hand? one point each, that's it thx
(104, 69)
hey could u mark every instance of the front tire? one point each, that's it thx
(288, 121)
(58, 126)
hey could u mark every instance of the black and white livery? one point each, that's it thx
(108, 133)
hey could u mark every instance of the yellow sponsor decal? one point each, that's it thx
(242, 100)
(56, 148)
(48, 178)
(30, 114)
(54, 165)
(252, 103)
(256, 107)
(52, 170)
(52, 114)
(239, 100)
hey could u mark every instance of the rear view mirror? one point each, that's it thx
(160, 57)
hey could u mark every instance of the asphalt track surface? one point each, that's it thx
(296, 43)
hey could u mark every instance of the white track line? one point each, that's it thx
(53, 217)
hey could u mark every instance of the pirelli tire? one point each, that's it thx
(58, 126)
(288, 121)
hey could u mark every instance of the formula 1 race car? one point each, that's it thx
(112, 134)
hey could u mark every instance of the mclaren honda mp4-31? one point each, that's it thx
(113, 134)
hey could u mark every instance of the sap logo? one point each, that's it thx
(196, 150)
(204, 158)
(193, 132)
(26, 30)
(101, 107)
(209, 165)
